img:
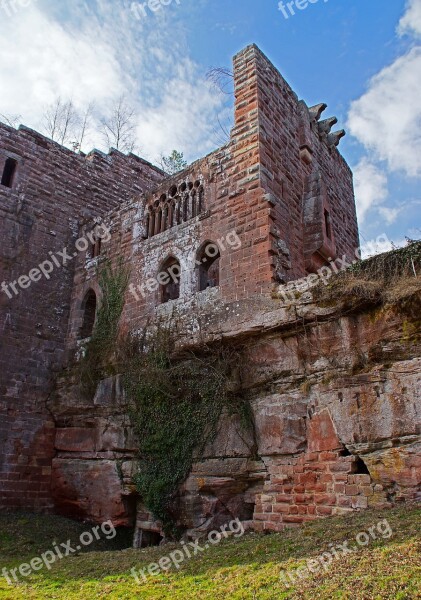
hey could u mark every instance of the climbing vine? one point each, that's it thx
(176, 405)
(175, 401)
(97, 361)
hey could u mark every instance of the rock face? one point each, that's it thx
(337, 429)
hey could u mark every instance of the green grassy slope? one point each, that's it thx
(244, 568)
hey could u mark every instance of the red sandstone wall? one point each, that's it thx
(316, 409)
(54, 191)
(270, 184)
(294, 150)
(327, 387)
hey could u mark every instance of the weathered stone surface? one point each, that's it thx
(378, 403)
(89, 490)
(280, 424)
(338, 439)
(400, 466)
(231, 440)
(322, 434)
(76, 439)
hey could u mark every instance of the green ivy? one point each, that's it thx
(175, 401)
(97, 361)
(176, 404)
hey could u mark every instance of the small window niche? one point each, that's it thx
(328, 224)
(171, 274)
(208, 263)
(96, 247)
(89, 315)
(9, 172)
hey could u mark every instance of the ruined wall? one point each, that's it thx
(53, 192)
(304, 179)
(272, 185)
(337, 408)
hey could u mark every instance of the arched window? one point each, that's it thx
(193, 204)
(185, 208)
(178, 210)
(178, 206)
(201, 202)
(208, 261)
(171, 215)
(89, 314)
(169, 278)
(147, 223)
(164, 219)
(158, 221)
(151, 230)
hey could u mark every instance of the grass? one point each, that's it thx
(244, 568)
(390, 278)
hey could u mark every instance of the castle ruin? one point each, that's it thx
(213, 243)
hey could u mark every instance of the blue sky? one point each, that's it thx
(362, 58)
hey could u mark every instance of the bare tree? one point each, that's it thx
(52, 117)
(68, 122)
(83, 126)
(222, 79)
(11, 120)
(221, 133)
(59, 121)
(119, 128)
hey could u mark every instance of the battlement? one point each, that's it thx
(112, 156)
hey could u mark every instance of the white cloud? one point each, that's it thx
(411, 21)
(184, 115)
(370, 187)
(389, 214)
(40, 60)
(379, 245)
(97, 51)
(387, 118)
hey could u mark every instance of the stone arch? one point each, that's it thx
(179, 205)
(194, 211)
(208, 265)
(178, 210)
(201, 200)
(186, 215)
(170, 278)
(151, 222)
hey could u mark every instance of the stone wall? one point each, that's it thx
(54, 191)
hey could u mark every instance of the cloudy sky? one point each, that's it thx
(362, 58)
